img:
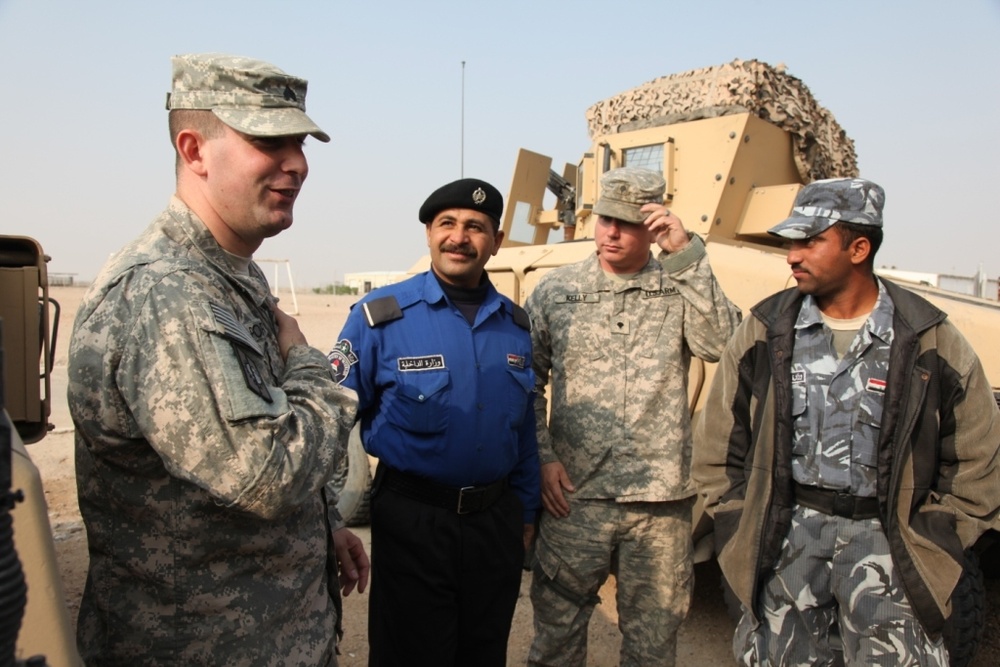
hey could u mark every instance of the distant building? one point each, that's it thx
(61, 279)
(366, 281)
(977, 285)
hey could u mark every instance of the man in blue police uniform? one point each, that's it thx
(442, 367)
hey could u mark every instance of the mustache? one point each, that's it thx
(458, 249)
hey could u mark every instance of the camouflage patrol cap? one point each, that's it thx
(250, 96)
(470, 193)
(626, 190)
(822, 203)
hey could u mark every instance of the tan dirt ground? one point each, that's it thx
(704, 638)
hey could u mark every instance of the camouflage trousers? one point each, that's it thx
(647, 546)
(834, 572)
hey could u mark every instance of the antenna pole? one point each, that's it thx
(462, 172)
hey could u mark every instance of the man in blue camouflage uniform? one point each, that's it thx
(206, 427)
(616, 333)
(442, 367)
(848, 452)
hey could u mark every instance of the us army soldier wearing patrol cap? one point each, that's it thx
(614, 335)
(442, 367)
(206, 427)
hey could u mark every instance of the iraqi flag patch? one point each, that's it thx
(876, 385)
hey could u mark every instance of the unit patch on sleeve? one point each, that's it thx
(245, 348)
(341, 358)
(255, 382)
(428, 363)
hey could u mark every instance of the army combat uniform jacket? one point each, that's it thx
(937, 469)
(618, 352)
(201, 459)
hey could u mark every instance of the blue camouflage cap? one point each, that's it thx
(250, 96)
(822, 203)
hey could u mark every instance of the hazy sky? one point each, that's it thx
(87, 161)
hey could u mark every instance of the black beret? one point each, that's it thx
(470, 193)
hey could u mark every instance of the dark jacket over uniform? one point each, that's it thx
(938, 468)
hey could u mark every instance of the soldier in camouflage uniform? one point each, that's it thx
(848, 451)
(615, 334)
(206, 427)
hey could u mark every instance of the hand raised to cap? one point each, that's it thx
(667, 228)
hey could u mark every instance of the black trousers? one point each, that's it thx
(443, 585)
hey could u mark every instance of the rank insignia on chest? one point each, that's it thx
(515, 360)
(876, 385)
(588, 297)
(427, 363)
(342, 357)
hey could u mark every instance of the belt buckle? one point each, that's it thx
(461, 496)
(843, 504)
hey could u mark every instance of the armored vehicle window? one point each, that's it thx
(647, 157)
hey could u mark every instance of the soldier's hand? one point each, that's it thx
(667, 228)
(529, 535)
(289, 333)
(555, 484)
(353, 561)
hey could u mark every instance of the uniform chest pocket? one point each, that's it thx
(800, 403)
(420, 401)
(864, 441)
(520, 385)
(662, 331)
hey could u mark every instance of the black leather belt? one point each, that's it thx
(836, 503)
(465, 500)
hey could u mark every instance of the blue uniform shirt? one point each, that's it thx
(438, 397)
(837, 403)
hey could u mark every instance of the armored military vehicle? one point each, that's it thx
(35, 627)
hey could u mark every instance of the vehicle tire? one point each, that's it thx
(964, 630)
(988, 551)
(353, 482)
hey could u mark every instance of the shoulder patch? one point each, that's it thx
(255, 381)
(233, 329)
(521, 317)
(381, 310)
(342, 357)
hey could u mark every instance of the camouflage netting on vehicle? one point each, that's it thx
(822, 148)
